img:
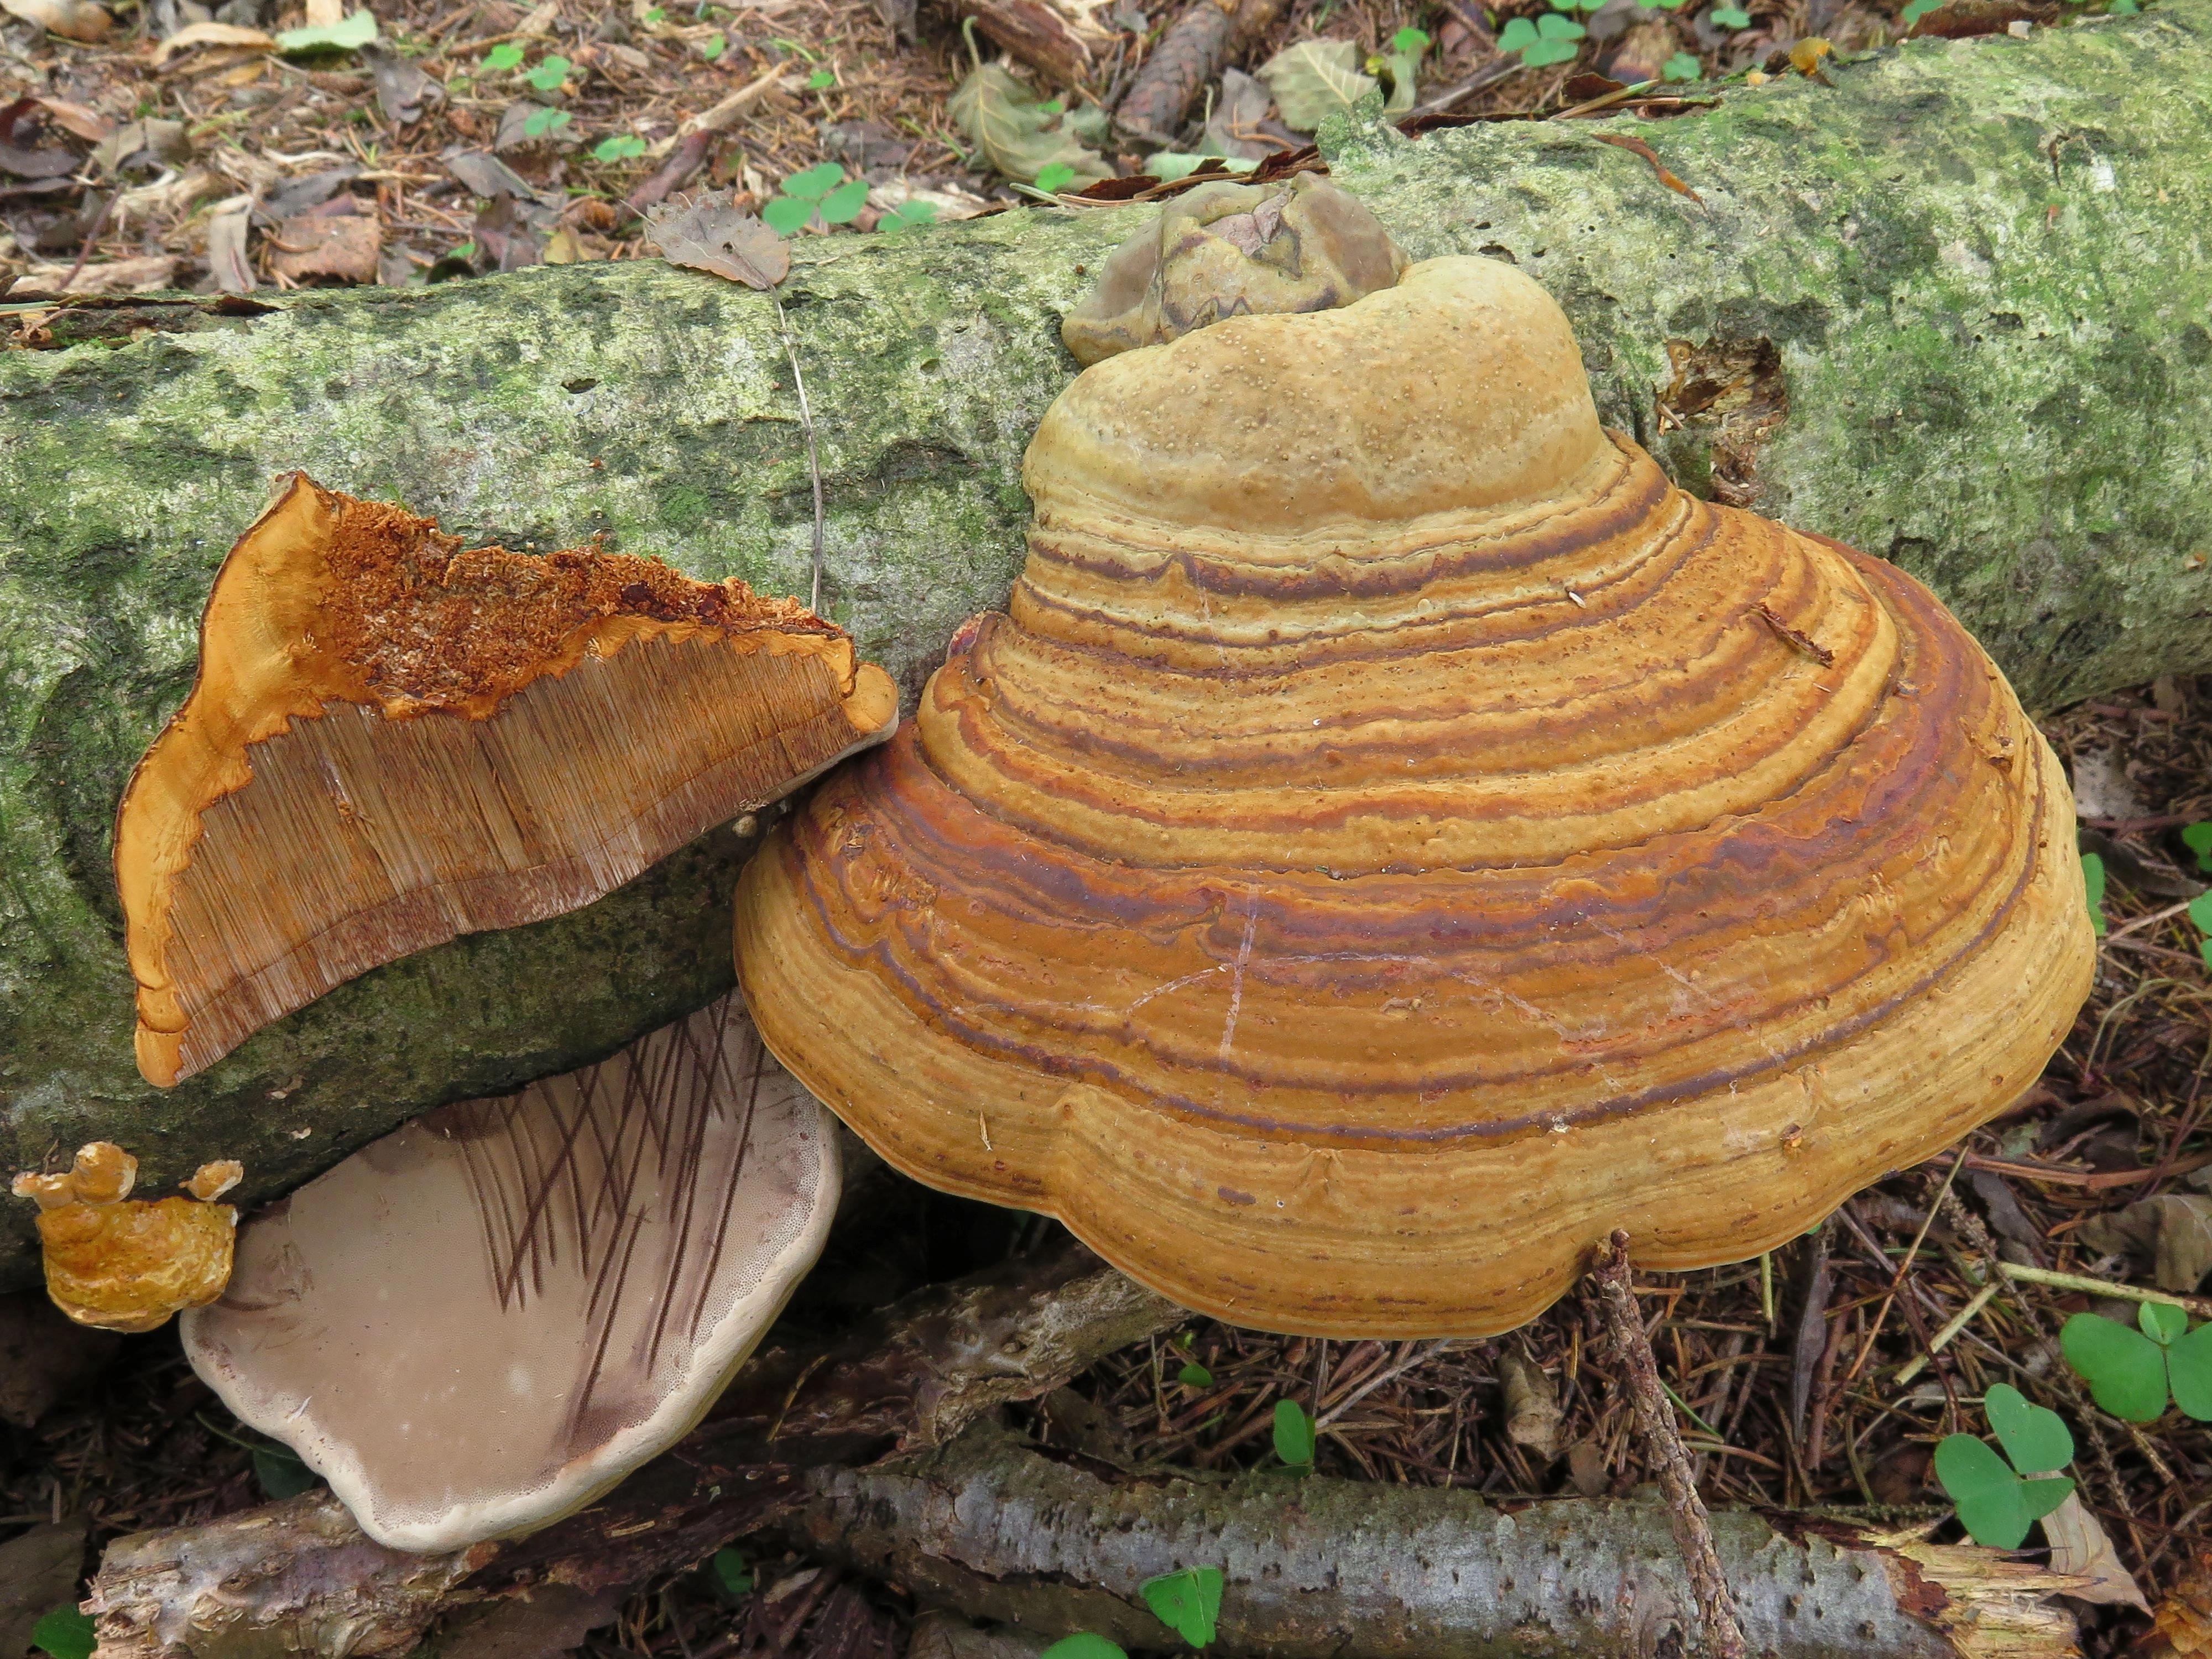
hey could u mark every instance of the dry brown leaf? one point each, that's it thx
(2182, 1626)
(2172, 1232)
(209, 35)
(73, 19)
(83, 120)
(1532, 1406)
(2079, 1545)
(339, 245)
(326, 14)
(117, 277)
(227, 228)
(711, 235)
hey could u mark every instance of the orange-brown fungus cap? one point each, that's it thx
(124, 1264)
(1396, 837)
(394, 740)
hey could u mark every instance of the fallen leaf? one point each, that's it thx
(1020, 137)
(2184, 1619)
(484, 174)
(711, 235)
(1586, 1468)
(504, 237)
(326, 14)
(211, 34)
(1532, 1406)
(339, 247)
(540, 20)
(144, 276)
(24, 162)
(78, 119)
(73, 19)
(228, 228)
(1315, 79)
(2172, 1232)
(164, 140)
(38, 1572)
(1233, 128)
(358, 30)
(403, 91)
(2079, 1545)
(1637, 147)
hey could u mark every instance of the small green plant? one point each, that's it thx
(1055, 178)
(1730, 17)
(1083, 1645)
(619, 147)
(1194, 1376)
(1997, 1500)
(2130, 1373)
(1918, 10)
(820, 192)
(550, 75)
(2093, 881)
(2200, 915)
(348, 34)
(503, 56)
(64, 1633)
(714, 46)
(540, 122)
(281, 1475)
(1294, 1436)
(1188, 1602)
(732, 1577)
(908, 215)
(1549, 38)
(821, 80)
(2197, 838)
(1682, 66)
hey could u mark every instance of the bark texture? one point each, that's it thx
(1951, 309)
(1317, 1568)
(299, 1575)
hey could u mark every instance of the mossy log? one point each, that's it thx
(1951, 308)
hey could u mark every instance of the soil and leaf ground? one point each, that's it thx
(1825, 1375)
(154, 144)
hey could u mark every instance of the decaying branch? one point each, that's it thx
(1320, 1567)
(913, 1376)
(1064, 43)
(1663, 1442)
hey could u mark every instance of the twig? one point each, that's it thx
(99, 224)
(1418, 1356)
(1481, 81)
(2201, 1306)
(1662, 1444)
(813, 457)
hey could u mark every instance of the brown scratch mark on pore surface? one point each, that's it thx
(1637, 147)
(1789, 635)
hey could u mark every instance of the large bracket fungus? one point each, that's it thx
(1394, 838)
(393, 740)
(483, 1321)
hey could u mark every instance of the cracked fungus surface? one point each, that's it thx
(394, 741)
(1392, 840)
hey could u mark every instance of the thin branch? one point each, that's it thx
(813, 455)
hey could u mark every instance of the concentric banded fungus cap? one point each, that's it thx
(1395, 838)
(476, 1325)
(393, 740)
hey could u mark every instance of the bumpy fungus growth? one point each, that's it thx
(393, 740)
(1229, 250)
(126, 1264)
(478, 1323)
(1395, 837)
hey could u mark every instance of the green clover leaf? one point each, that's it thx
(909, 216)
(841, 205)
(786, 215)
(714, 46)
(539, 122)
(1188, 1601)
(821, 80)
(815, 182)
(505, 56)
(1731, 17)
(731, 1575)
(2037, 1441)
(2125, 1370)
(1294, 1435)
(1995, 1505)
(1553, 27)
(1083, 1645)
(2093, 874)
(1194, 1376)
(1682, 66)
(1054, 178)
(2197, 838)
(1518, 35)
(2189, 1367)
(620, 146)
(64, 1633)
(1412, 43)
(550, 75)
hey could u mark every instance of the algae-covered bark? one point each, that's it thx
(1953, 308)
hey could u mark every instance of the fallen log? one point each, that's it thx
(913, 1376)
(1948, 308)
(1050, 1543)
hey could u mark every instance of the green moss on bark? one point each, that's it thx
(1978, 264)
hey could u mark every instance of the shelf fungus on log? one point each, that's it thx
(482, 1321)
(1229, 250)
(126, 1264)
(393, 740)
(1394, 838)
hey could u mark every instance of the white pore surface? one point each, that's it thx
(480, 1322)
